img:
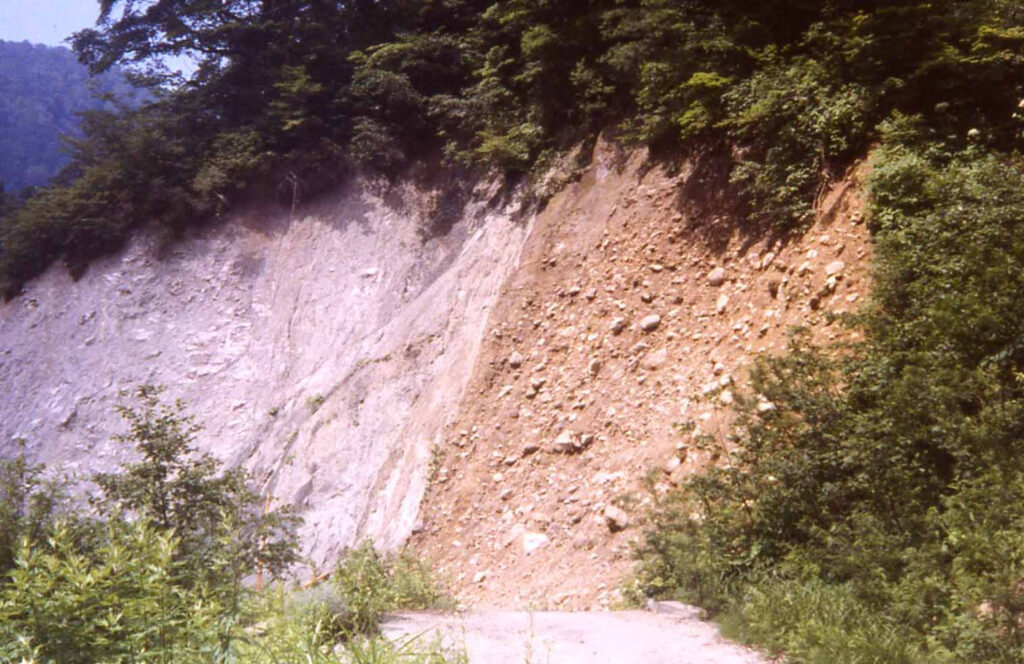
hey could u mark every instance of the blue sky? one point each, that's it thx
(45, 21)
(50, 22)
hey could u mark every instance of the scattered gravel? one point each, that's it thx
(624, 637)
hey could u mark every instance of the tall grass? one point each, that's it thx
(816, 623)
(306, 628)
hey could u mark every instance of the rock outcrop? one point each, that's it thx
(324, 353)
(536, 371)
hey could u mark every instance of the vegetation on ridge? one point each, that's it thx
(288, 93)
(42, 89)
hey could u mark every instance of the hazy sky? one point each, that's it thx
(45, 21)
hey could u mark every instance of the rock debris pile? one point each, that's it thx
(628, 315)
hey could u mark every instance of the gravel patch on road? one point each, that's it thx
(623, 637)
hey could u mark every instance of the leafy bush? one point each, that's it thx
(793, 91)
(339, 621)
(300, 629)
(222, 525)
(155, 572)
(118, 602)
(801, 126)
(370, 584)
(819, 623)
(31, 503)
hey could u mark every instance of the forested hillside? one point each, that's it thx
(286, 91)
(42, 91)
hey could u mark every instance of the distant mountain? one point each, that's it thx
(42, 89)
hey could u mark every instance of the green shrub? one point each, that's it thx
(31, 502)
(816, 623)
(370, 583)
(791, 92)
(223, 527)
(119, 602)
(302, 627)
(800, 127)
(155, 571)
(414, 584)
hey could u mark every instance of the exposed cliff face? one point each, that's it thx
(324, 353)
(535, 370)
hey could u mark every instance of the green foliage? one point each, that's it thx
(302, 629)
(800, 126)
(414, 585)
(790, 93)
(886, 479)
(117, 602)
(819, 623)
(155, 573)
(30, 504)
(122, 601)
(369, 584)
(235, 159)
(224, 531)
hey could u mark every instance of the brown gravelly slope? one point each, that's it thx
(639, 303)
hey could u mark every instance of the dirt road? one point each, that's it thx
(624, 637)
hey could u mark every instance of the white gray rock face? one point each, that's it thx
(323, 353)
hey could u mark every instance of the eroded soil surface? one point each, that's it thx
(639, 303)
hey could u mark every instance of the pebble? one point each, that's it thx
(616, 518)
(834, 268)
(564, 443)
(656, 360)
(716, 277)
(533, 541)
(650, 323)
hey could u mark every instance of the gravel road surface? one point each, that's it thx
(622, 637)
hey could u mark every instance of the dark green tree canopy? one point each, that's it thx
(292, 93)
